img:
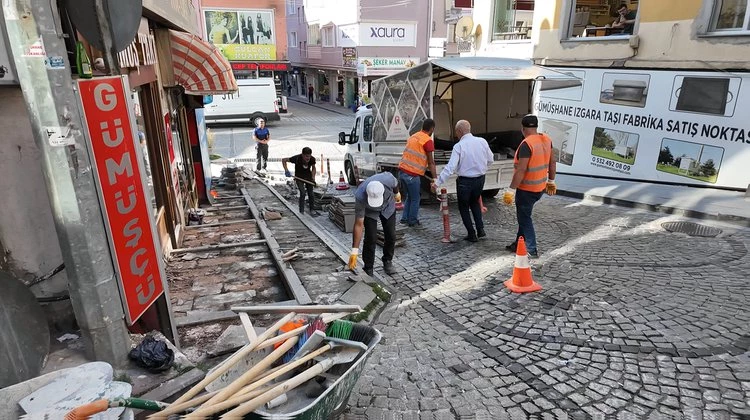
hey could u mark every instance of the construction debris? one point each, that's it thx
(342, 212)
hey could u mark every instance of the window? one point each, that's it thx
(603, 18)
(367, 128)
(313, 34)
(291, 8)
(292, 42)
(730, 15)
(512, 20)
(328, 35)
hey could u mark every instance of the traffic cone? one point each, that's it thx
(342, 185)
(521, 281)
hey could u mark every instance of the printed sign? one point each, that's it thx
(383, 34)
(131, 236)
(247, 34)
(349, 56)
(384, 66)
(348, 35)
(668, 126)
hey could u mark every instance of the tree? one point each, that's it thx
(677, 162)
(665, 156)
(708, 168)
(602, 140)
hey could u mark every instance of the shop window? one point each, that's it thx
(512, 20)
(730, 16)
(292, 39)
(603, 18)
(327, 34)
(145, 143)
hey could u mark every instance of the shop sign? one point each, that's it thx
(349, 56)
(384, 66)
(383, 34)
(140, 52)
(242, 35)
(126, 206)
(237, 66)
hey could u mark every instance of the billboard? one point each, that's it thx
(681, 127)
(126, 203)
(242, 35)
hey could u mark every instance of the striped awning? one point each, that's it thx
(199, 67)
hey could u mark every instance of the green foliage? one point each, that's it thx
(602, 140)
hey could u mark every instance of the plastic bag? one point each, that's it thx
(152, 355)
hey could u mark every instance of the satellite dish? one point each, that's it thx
(465, 28)
(124, 18)
(478, 37)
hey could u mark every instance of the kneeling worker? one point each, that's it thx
(304, 175)
(375, 199)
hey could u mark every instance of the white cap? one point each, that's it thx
(375, 191)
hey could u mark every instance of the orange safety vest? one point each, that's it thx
(535, 178)
(414, 158)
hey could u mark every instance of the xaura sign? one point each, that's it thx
(382, 34)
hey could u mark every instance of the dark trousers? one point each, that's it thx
(305, 187)
(525, 201)
(468, 191)
(262, 156)
(371, 235)
(310, 97)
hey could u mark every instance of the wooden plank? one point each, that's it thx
(204, 318)
(224, 208)
(218, 246)
(230, 222)
(300, 309)
(292, 281)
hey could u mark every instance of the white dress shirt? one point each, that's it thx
(470, 158)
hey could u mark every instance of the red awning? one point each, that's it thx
(199, 67)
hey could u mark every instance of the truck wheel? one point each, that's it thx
(257, 120)
(490, 193)
(350, 174)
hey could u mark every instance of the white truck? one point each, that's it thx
(493, 94)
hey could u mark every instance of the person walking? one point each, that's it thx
(375, 199)
(470, 158)
(416, 158)
(310, 93)
(533, 174)
(262, 136)
(304, 175)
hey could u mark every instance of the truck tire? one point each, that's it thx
(256, 120)
(350, 173)
(490, 193)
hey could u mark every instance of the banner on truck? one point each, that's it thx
(679, 127)
(401, 103)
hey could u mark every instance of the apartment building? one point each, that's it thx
(658, 92)
(338, 47)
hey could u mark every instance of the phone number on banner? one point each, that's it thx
(610, 164)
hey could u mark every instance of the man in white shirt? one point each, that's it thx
(470, 158)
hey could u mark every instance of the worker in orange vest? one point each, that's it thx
(417, 157)
(534, 173)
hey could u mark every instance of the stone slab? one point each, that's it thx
(222, 301)
(230, 340)
(360, 294)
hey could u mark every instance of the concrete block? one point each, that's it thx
(360, 294)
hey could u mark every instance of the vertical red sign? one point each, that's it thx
(105, 108)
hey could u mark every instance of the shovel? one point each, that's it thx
(340, 355)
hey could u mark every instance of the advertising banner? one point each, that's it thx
(678, 127)
(349, 57)
(127, 212)
(383, 34)
(247, 34)
(384, 66)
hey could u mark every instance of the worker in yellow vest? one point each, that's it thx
(534, 173)
(417, 157)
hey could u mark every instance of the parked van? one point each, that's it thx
(254, 101)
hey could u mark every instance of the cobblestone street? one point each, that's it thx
(633, 321)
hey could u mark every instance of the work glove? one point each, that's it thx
(551, 188)
(287, 174)
(398, 197)
(353, 259)
(508, 197)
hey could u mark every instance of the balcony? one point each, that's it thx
(314, 52)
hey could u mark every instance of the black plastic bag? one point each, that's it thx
(152, 355)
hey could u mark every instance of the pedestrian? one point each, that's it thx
(304, 175)
(262, 136)
(470, 158)
(375, 199)
(310, 93)
(533, 174)
(416, 158)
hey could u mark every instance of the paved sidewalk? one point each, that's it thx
(701, 203)
(323, 105)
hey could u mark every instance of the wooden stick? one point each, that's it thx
(187, 404)
(240, 382)
(286, 254)
(248, 326)
(287, 335)
(328, 318)
(229, 363)
(217, 246)
(305, 181)
(301, 309)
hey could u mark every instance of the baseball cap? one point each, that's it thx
(530, 121)
(375, 191)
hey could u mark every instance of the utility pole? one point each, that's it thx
(44, 72)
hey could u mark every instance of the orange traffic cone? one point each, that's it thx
(342, 185)
(521, 281)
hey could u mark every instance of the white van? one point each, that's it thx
(254, 101)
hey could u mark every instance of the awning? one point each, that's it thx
(492, 68)
(199, 67)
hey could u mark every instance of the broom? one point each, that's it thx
(348, 330)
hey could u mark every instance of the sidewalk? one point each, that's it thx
(323, 105)
(701, 203)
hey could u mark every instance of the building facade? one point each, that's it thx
(337, 47)
(491, 28)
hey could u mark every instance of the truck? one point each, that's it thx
(493, 94)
